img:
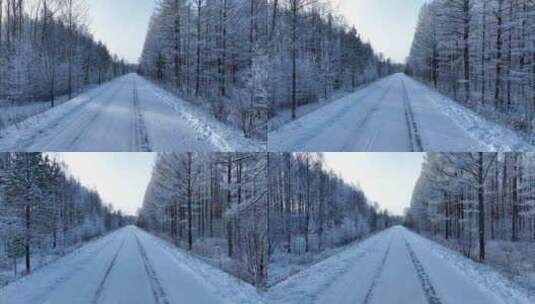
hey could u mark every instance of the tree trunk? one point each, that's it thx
(307, 207)
(198, 76)
(466, 49)
(481, 207)
(28, 239)
(294, 59)
(483, 53)
(514, 220)
(177, 46)
(229, 202)
(497, 88)
(190, 214)
(69, 77)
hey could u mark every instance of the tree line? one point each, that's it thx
(312, 209)
(213, 204)
(312, 52)
(244, 60)
(45, 210)
(46, 50)
(469, 198)
(482, 53)
(210, 52)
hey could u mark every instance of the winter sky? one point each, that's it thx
(121, 24)
(387, 178)
(120, 178)
(388, 24)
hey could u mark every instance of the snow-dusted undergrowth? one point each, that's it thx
(20, 133)
(224, 137)
(226, 286)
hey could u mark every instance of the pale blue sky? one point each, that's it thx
(387, 24)
(121, 24)
(387, 178)
(120, 178)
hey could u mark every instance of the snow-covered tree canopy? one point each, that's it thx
(211, 52)
(312, 209)
(481, 52)
(213, 204)
(46, 50)
(469, 196)
(313, 53)
(45, 209)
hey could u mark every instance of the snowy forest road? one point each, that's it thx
(396, 266)
(127, 114)
(396, 114)
(401, 270)
(128, 266)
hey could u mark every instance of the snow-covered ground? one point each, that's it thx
(284, 116)
(396, 113)
(398, 266)
(12, 114)
(129, 266)
(126, 114)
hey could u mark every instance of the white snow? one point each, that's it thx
(397, 266)
(11, 114)
(129, 266)
(483, 275)
(394, 266)
(490, 135)
(394, 114)
(126, 114)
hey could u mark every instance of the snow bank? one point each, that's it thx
(306, 286)
(227, 287)
(483, 275)
(21, 134)
(491, 135)
(225, 138)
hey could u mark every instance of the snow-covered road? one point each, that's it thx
(397, 114)
(397, 266)
(127, 114)
(126, 267)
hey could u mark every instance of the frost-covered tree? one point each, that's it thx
(45, 210)
(312, 209)
(481, 52)
(46, 50)
(213, 204)
(314, 53)
(209, 52)
(473, 197)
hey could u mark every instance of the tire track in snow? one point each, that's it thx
(43, 298)
(367, 117)
(332, 120)
(93, 118)
(140, 138)
(100, 287)
(371, 290)
(415, 141)
(158, 292)
(25, 143)
(427, 287)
